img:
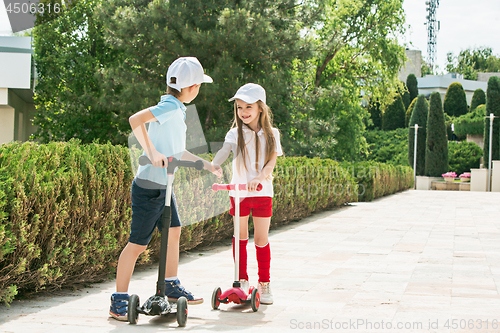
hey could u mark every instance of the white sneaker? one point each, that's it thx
(266, 297)
(245, 286)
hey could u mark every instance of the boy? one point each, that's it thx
(165, 137)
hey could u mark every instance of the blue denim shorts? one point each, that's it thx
(147, 206)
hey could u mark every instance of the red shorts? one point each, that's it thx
(259, 206)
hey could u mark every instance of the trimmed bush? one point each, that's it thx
(455, 101)
(376, 180)
(394, 115)
(419, 116)
(405, 96)
(64, 213)
(436, 151)
(412, 85)
(65, 208)
(478, 98)
(464, 156)
(492, 106)
(409, 111)
(389, 147)
(471, 123)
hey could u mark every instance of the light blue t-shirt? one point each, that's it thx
(168, 135)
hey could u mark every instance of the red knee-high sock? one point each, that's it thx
(264, 262)
(243, 258)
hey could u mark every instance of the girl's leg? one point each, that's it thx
(243, 247)
(261, 232)
(126, 264)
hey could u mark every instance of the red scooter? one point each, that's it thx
(236, 294)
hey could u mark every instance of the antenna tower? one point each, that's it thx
(433, 27)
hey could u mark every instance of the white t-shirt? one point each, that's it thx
(246, 175)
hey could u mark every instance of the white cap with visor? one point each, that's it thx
(187, 71)
(250, 93)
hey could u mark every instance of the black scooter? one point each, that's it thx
(157, 305)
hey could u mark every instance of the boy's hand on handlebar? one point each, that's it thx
(158, 159)
(252, 185)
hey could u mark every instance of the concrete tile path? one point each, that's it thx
(417, 261)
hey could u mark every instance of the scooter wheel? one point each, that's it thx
(133, 304)
(255, 300)
(182, 311)
(215, 298)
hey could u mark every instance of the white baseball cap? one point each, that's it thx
(187, 71)
(250, 93)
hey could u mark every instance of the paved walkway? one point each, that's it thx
(417, 261)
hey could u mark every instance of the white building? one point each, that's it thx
(16, 94)
(440, 83)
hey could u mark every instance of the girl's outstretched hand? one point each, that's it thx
(215, 169)
(252, 185)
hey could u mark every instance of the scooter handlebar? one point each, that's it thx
(231, 187)
(173, 163)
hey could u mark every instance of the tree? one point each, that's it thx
(455, 101)
(425, 69)
(436, 150)
(394, 115)
(375, 114)
(405, 95)
(409, 111)
(478, 98)
(358, 43)
(418, 116)
(69, 53)
(412, 84)
(492, 106)
(469, 62)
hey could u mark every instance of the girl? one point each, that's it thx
(255, 145)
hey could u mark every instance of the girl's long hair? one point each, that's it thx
(265, 122)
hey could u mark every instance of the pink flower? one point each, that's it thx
(465, 175)
(449, 174)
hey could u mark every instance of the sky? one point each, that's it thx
(464, 24)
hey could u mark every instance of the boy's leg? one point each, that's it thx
(174, 236)
(126, 264)
(173, 287)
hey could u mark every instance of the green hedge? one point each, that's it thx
(464, 156)
(65, 208)
(377, 180)
(471, 123)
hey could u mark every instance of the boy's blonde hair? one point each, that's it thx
(265, 122)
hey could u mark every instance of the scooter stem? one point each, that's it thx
(165, 227)
(236, 234)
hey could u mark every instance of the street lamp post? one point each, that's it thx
(415, 158)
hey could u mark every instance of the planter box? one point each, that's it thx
(495, 176)
(450, 186)
(478, 180)
(464, 179)
(425, 183)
